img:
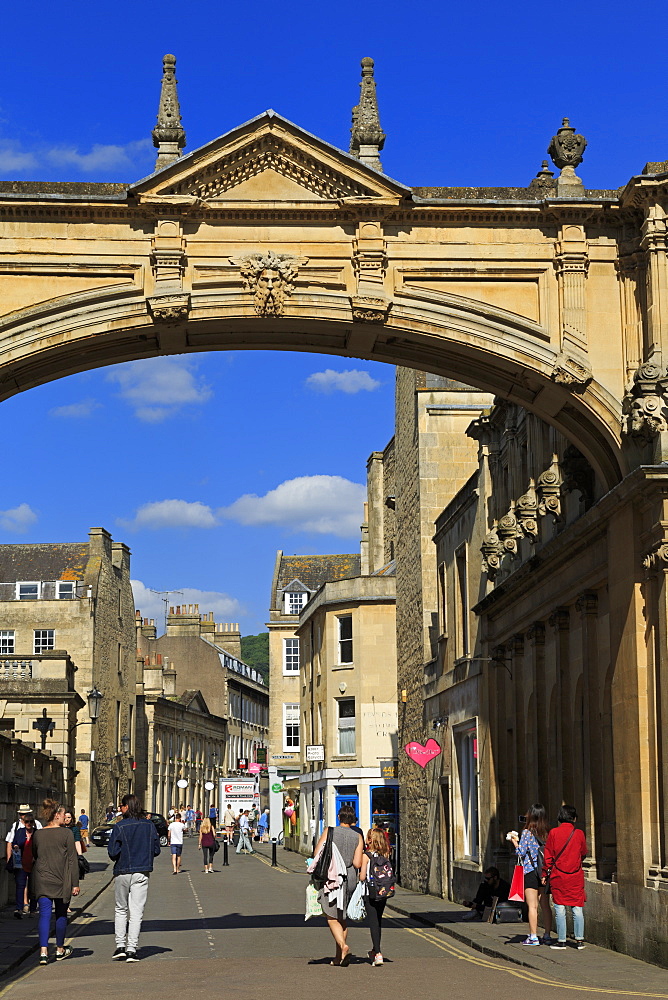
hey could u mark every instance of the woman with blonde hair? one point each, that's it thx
(206, 842)
(377, 857)
(56, 877)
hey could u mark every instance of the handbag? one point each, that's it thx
(517, 885)
(546, 883)
(321, 867)
(313, 907)
(84, 867)
(215, 846)
(14, 862)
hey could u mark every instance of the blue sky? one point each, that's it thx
(211, 463)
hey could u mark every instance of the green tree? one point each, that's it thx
(255, 652)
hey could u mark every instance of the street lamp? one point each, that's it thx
(94, 698)
(125, 744)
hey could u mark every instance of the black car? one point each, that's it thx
(100, 835)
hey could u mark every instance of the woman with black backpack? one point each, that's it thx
(378, 874)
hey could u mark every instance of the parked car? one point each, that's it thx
(100, 835)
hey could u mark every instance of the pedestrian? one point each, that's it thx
(84, 822)
(565, 850)
(213, 816)
(55, 877)
(110, 813)
(350, 846)
(244, 834)
(171, 815)
(263, 826)
(175, 841)
(19, 855)
(207, 839)
(133, 844)
(376, 857)
(198, 820)
(253, 817)
(69, 824)
(492, 887)
(190, 821)
(530, 855)
(229, 823)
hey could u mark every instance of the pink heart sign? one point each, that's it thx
(422, 754)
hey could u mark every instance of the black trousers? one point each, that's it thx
(374, 911)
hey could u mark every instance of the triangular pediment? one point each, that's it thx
(268, 160)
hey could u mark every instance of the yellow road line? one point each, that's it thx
(522, 973)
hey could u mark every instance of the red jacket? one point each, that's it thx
(567, 875)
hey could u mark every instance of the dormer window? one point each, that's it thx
(28, 591)
(65, 590)
(295, 596)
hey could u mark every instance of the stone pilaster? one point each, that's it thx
(572, 264)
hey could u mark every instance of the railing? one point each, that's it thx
(18, 669)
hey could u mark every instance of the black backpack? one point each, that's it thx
(380, 877)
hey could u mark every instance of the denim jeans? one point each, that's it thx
(45, 907)
(578, 921)
(244, 842)
(130, 892)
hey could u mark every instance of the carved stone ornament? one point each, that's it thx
(657, 558)
(548, 489)
(645, 405)
(509, 530)
(270, 279)
(566, 148)
(367, 309)
(526, 511)
(492, 552)
(169, 309)
(571, 373)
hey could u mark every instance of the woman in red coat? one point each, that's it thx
(565, 849)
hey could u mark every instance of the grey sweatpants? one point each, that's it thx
(131, 892)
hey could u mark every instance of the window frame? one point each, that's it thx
(292, 672)
(349, 724)
(5, 633)
(293, 595)
(28, 583)
(43, 649)
(291, 718)
(348, 650)
(60, 584)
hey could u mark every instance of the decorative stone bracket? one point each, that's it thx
(270, 279)
(645, 404)
(369, 309)
(521, 521)
(657, 557)
(169, 309)
(571, 373)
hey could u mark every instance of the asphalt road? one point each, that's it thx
(241, 931)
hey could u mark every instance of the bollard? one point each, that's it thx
(273, 855)
(226, 861)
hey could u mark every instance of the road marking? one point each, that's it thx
(526, 974)
(200, 910)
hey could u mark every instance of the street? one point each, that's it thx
(243, 930)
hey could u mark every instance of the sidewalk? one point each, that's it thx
(593, 967)
(18, 938)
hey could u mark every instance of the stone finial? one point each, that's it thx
(567, 149)
(169, 137)
(366, 136)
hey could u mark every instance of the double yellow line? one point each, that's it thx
(519, 973)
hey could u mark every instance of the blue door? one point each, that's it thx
(347, 794)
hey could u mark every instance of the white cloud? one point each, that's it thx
(100, 157)
(76, 411)
(151, 605)
(158, 387)
(349, 381)
(17, 518)
(171, 514)
(319, 504)
(14, 160)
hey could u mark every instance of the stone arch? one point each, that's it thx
(470, 341)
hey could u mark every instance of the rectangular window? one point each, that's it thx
(466, 744)
(345, 639)
(442, 599)
(294, 602)
(7, 642)
(65, 590)
(291, 656)
(291, 728)
(45, 638)
(346, 711)
(28, 591)
(461, 568)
